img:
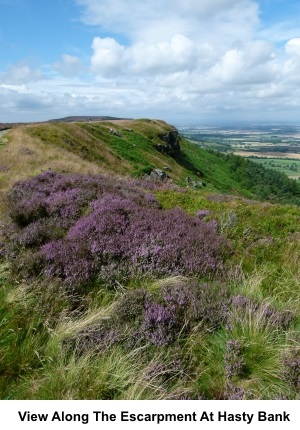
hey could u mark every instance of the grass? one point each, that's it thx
(35, 363)
(130, 153)
(25, 156)
(37, 360)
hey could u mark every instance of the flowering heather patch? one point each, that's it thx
(142, 241)
(234, 367)
(159, 325)
(131, 306)
(291, 371)
(61, 196)
(180, 308)
(140, 317)
(233, 392)
(167, 369)
(233, 359)
(96, 338)
(267, 314)
(88, 227)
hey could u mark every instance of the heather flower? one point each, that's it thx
(169, 368)
(99, 339)
(233, 359)
(159, 324)
(3, 168)
(234, 366)
(291, 370)
(233, 392)
(131, 305)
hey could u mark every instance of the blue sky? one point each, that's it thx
(181, 61)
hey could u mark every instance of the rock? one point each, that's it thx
(114, 132)
(203, 213)
(158, 174)
(265, 241)
(171, 144)
(194, 184)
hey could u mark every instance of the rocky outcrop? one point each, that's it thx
(170, 145)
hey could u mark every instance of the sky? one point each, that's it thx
(183, 61)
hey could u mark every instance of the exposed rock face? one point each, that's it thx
(170, 145)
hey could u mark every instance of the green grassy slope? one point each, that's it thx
(132, 150)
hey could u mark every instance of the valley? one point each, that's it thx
(275, 146)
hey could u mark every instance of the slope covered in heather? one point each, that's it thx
(118, 286)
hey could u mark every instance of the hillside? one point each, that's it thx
(135, 148)
(136, 265)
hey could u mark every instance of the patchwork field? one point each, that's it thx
(257, 141)
(288, 166)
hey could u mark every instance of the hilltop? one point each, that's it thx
(87, 118)
(136, 265)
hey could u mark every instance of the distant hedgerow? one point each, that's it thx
(86, 227)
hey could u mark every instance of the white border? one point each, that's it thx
(240, 411)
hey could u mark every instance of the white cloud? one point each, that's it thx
(291, 67)
(107, 58)
(293, 47)
(21, 73)
(168, 59)
(111, 59)
(69, 65)
(177, 54)
(157, 20)
(254, 63)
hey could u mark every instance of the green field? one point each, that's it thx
(284, 165)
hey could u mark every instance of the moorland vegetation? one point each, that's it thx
(116, 284)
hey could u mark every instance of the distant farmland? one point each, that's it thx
(269, 154)
(290, 167)
(275, 148)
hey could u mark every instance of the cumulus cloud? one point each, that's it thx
(254, 63)
(107, 58)
(292, 48)
(111, 59)
(291, 66)
(21, 73)
(69, 65)
(177, 54)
